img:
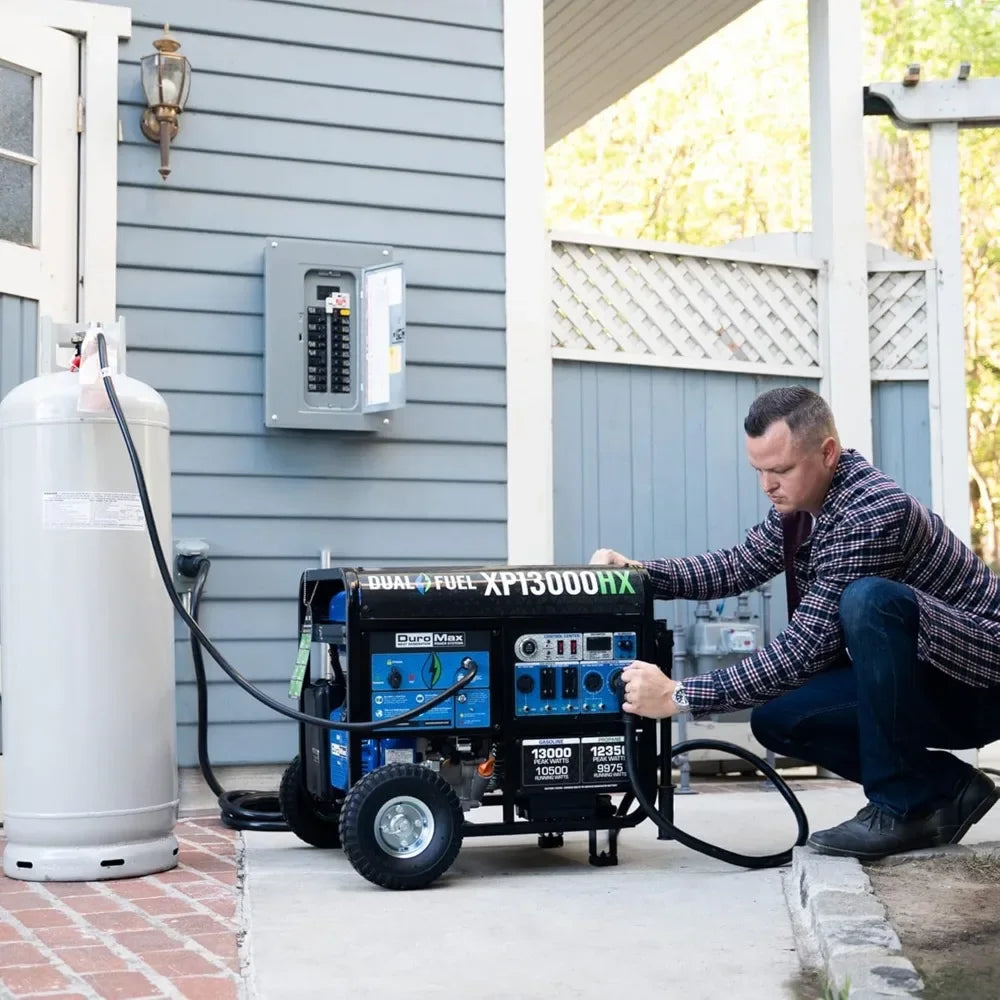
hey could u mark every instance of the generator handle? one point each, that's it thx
(664, 640)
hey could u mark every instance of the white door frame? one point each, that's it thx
(100, 27)
(44, 269)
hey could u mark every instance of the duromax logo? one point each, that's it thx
(430, 640)
(423, 583)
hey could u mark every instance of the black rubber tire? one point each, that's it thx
(357, 826)
(317, 823)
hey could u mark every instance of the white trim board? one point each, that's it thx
(885, 266)
(100, 26)
(900, 375)
(528, 274)
(688, 364)
(78, 16)
(687, 250)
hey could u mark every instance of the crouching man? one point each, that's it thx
(892, 646)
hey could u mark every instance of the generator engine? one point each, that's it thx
(537, 730)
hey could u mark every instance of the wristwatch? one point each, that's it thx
(680, 698)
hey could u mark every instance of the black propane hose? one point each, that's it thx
(240, 810)
(468, 664)
(702, 846)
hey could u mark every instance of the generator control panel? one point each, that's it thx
(334, 335)
(570, 673)
(409, 668)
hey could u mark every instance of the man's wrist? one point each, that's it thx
(679, 699)
(700, 692)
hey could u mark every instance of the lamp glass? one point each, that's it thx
(165, 79)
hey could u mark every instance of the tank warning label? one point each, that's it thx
(603, 759)
(92, 510)
(508, 583)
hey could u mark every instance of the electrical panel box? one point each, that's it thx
(334, 335)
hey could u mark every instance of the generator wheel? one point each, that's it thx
(315, 822)
(401, 826)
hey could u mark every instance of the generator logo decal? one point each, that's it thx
(608, 582)
(431, 672)
(505, 583)
(430, 640)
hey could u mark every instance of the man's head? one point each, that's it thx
(792, 443)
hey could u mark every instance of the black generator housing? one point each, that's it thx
(538, 731)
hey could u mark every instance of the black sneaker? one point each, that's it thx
(874, 834)
(972, 803)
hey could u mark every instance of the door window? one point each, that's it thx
(17, 156)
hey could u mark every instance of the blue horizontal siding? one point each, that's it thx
(373, 122)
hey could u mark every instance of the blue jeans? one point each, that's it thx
(872, 718)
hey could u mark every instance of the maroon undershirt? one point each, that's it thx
(795, 529)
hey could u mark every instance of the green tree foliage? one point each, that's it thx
(716, 147)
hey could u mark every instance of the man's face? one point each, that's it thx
(794, 472)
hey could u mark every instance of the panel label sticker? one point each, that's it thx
(603, 760)
(550, 763)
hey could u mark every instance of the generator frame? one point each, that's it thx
(549, 813)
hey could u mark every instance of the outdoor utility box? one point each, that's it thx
(334, 335)
(713, 643)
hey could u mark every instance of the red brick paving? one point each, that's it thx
(171, 936)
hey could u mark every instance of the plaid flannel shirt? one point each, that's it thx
(868, 527)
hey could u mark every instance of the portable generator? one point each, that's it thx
(446, 689)
(532, 658)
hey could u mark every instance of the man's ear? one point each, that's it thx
(831, 452)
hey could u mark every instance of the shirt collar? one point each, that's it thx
(846, 464)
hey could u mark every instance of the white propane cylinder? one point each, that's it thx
(86, 628)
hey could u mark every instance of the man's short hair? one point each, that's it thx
(805, 412)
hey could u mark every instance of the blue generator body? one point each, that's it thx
(532, 725)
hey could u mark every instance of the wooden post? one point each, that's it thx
(951, 464)
(838, 211)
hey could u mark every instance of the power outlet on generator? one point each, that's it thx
(334, 335)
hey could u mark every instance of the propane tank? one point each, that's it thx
(88, 713)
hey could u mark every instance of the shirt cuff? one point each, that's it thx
(659, 574)
(704, 694)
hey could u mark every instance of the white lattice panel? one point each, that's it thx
(898, 320)
(681, 306)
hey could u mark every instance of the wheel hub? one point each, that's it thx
(404, 826)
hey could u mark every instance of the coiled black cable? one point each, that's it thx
(468, 664)
(702, 846)
(239, 810)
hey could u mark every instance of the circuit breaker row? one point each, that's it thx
(328, 347)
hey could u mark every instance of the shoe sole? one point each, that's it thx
(976, 815)
(838, 852)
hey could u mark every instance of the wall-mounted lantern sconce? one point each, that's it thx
(166, 80)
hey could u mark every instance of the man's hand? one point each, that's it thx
(608, 557)
(648, 691)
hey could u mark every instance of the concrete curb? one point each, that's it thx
(842, 929)
(248, 983)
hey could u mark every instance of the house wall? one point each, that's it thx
(375, 121)
(651, 462)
